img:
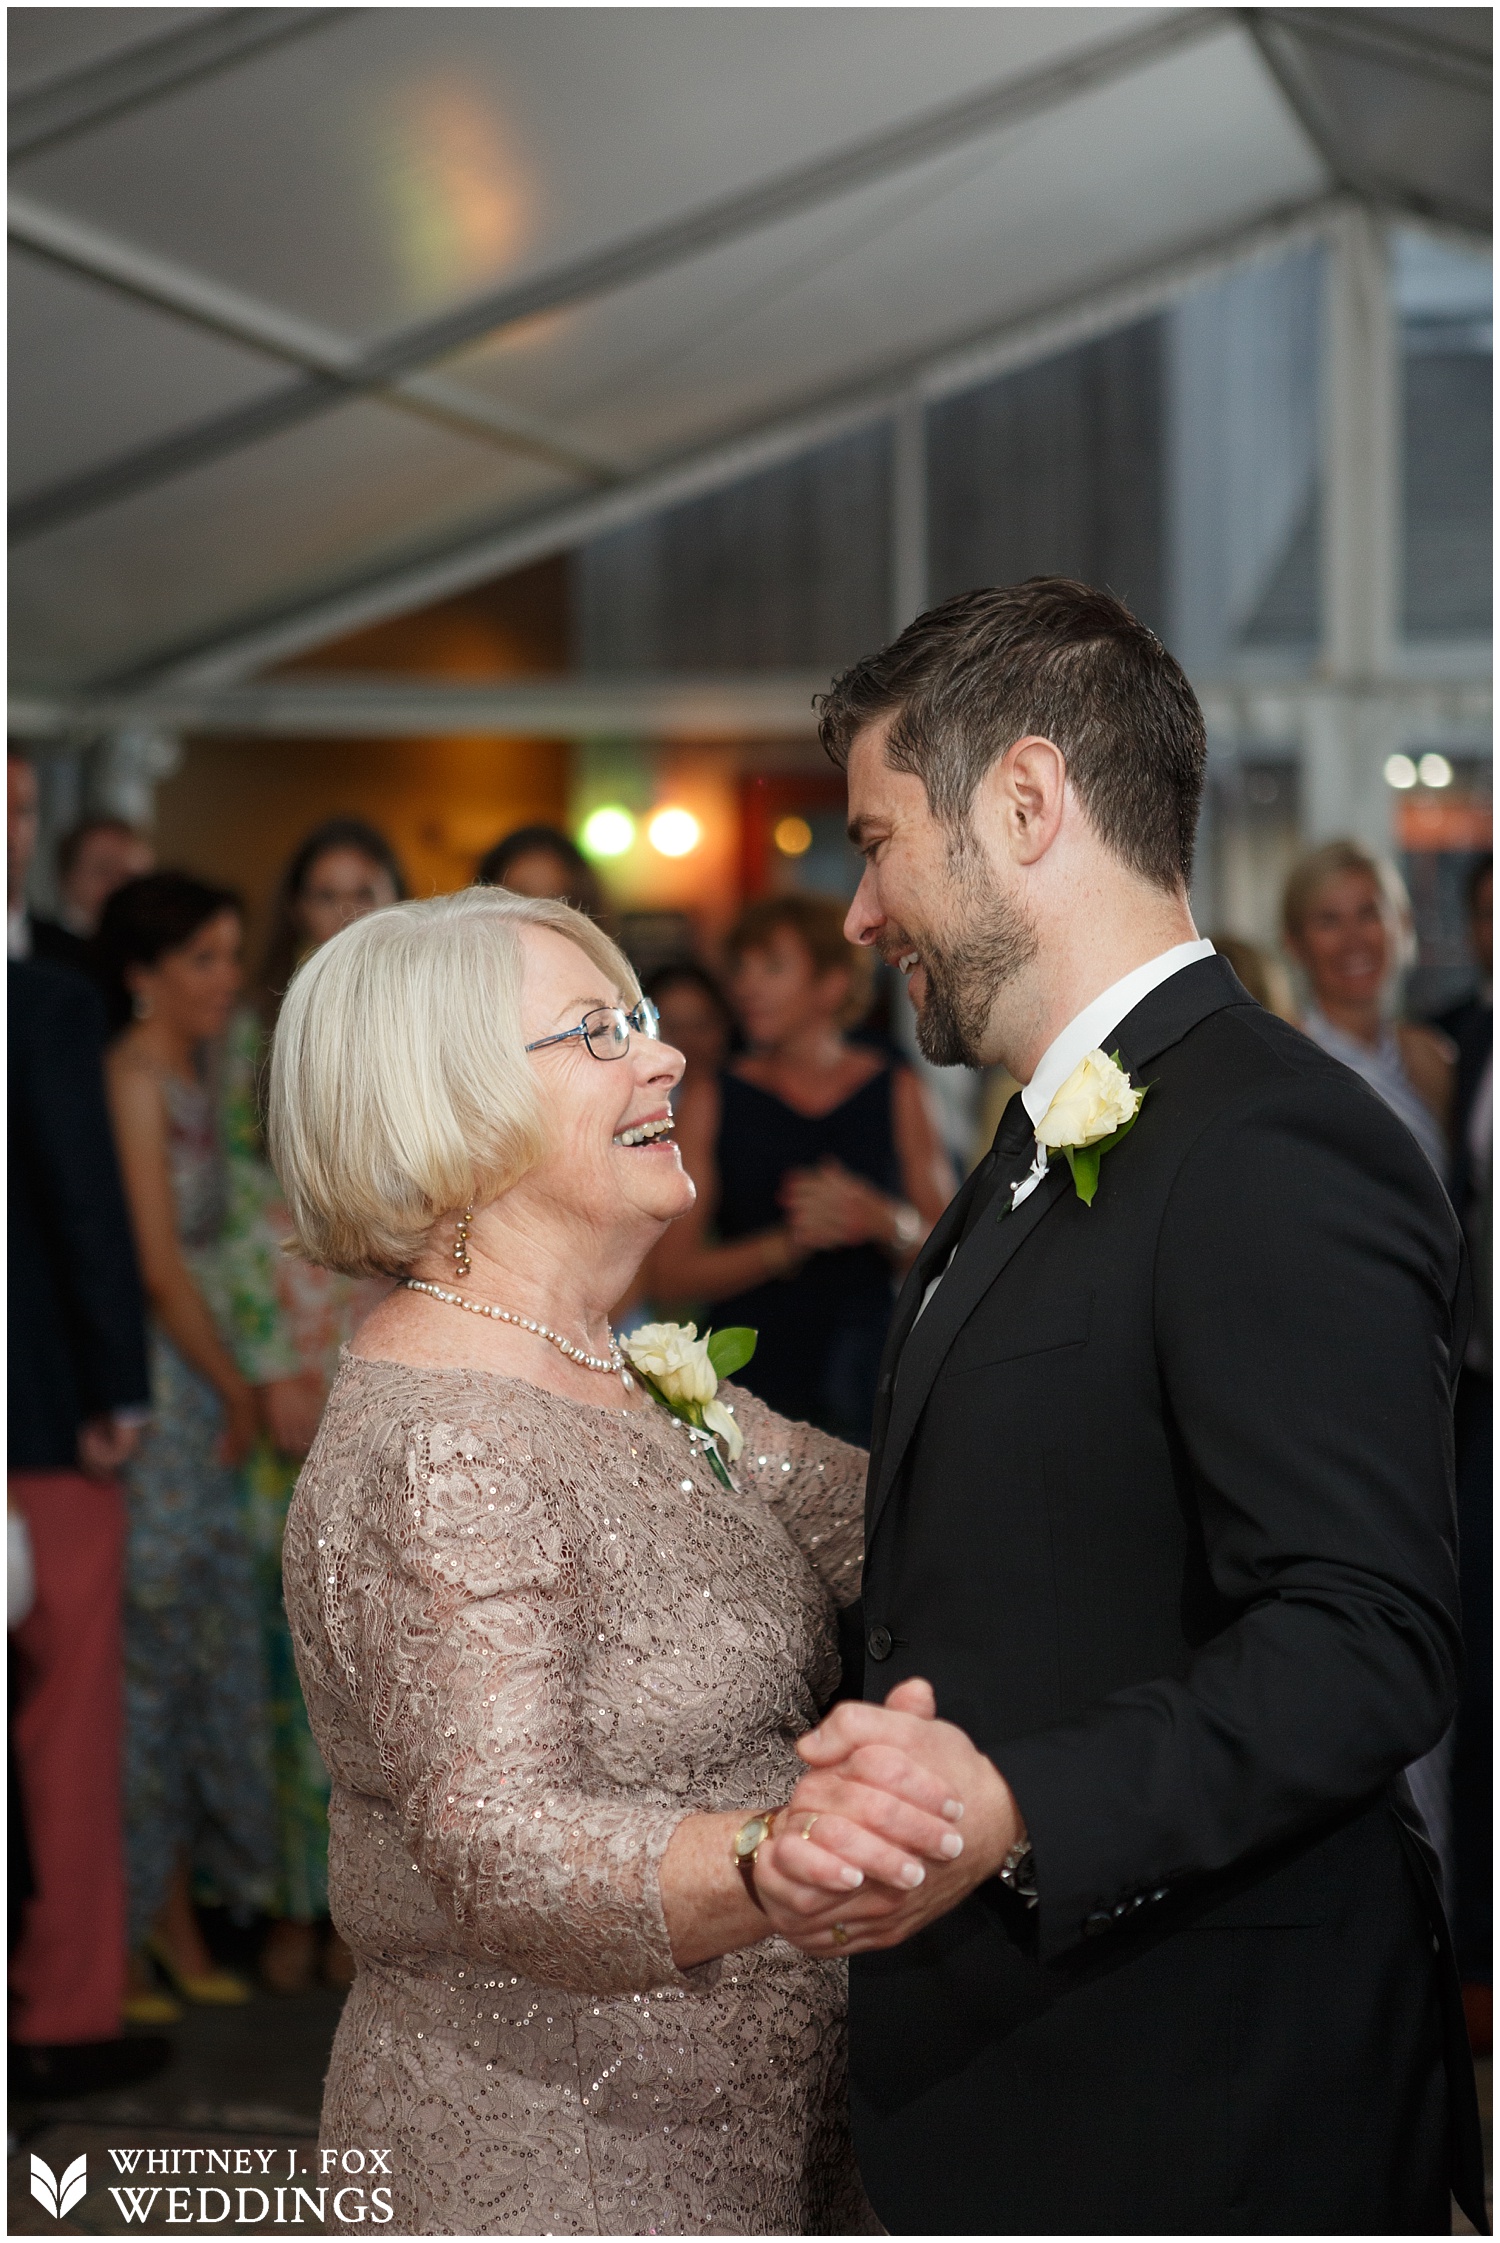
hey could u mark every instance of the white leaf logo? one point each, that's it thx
(59, 2197)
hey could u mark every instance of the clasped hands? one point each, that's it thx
(897, 1820)
(828, 1206)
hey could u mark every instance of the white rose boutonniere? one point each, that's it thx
(683, 1372)
(1095, 1108)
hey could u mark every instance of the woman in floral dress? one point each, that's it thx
(289, 1321)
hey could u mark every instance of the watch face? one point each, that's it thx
(749, 1836)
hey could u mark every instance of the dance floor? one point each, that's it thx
(247, 2078)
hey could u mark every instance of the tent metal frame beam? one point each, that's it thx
(251, 324)
(961, 363)
(330, 382)
(1279, 36)
(78, 101)
(759, 705)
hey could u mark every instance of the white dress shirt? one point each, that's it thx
(1088, 1031)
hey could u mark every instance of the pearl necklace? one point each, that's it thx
(613, 1363)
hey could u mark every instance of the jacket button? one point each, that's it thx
(1099, 1921)
(878, 1643)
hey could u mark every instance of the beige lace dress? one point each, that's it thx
(533, 1636)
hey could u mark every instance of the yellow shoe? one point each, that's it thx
(151, 2009)
(211, 1989)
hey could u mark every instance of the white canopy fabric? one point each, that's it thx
(317, 312)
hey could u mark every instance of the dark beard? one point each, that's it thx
(962, 977)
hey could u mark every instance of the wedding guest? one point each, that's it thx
(198, 1776)
(695, 1018)
(1346, 921)
(1263, 975)
(541, 861)
(94, 858)
(78, 1393)
(554, 1664)
(290, 1320)
(342, 869)
(819, 1171)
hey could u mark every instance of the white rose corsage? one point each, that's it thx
(1096, 1107)
(683, 1372)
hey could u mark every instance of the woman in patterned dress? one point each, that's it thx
(197, 1764)
(289, 1321)
(555, 1665)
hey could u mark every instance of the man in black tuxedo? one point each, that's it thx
(1160, 1516)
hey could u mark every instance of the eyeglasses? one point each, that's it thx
(607, 1029)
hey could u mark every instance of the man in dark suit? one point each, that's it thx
(1471, 1024)
(1160, 1516)
(78, 1389)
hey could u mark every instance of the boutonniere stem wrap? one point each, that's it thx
(683, 1372)
(1094, 1111)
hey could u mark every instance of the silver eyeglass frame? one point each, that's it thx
(642, 1019)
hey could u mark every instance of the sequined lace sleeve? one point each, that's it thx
(814, 1483)
(457, 1614)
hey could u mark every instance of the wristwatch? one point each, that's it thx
(1018, 1872)
(746, 1844)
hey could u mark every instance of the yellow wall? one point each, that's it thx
(237, 808)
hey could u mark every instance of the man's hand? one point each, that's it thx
(872, 1770)
(104, 1444)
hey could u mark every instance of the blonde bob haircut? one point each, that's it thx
(399, 1089)
(1313, 873)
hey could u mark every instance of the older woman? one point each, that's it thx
(1346, 920)
(556, 1666)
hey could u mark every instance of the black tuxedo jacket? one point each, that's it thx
(76, 1336)
(1161, 1502)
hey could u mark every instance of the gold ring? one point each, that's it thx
(807, 1826)
(840, 1935)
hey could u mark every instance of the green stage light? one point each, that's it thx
(607, 833)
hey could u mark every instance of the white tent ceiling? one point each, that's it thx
(316, 313)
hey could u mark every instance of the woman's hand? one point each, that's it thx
(877, 1763)
(241, 1425)
(827, 1207)
(293, 1408)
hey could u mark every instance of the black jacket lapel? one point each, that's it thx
(933, 1257)
(974, 1271)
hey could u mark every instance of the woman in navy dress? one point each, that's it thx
(819, 1172)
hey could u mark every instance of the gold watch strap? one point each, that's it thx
(745, 1857)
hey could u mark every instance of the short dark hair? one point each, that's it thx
(818, 924)
(144, 920)
(72, 842)
(284, 942)
(1052, 657)
(584, 891)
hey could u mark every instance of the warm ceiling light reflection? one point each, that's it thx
(793, 837)
(607, 832)
(674, 832)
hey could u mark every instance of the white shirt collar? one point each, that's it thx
(1088, 1030)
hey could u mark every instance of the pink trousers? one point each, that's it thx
(67, 1975)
